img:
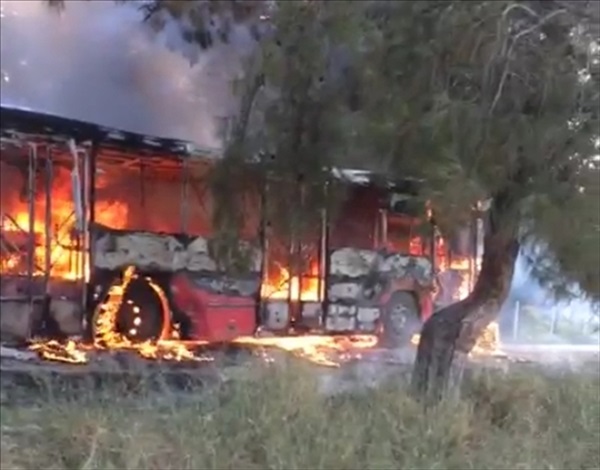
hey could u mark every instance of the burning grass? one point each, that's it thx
(277, 417)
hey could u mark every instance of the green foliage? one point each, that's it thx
(235, 185)
(300, 128)
(288, 131)
(486, 98)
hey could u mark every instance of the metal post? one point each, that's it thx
(48, 216)
(45, 321)
(31, 215)
(384, 228)
(517, 314)
(291, 264)
(81, 220)
(325, 265)
(264, 248)
(293, 251)
(84, 235)
(91, 219)
(480, 240)
(322, 255)
(93, 156)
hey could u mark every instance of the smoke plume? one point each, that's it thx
(98, 62)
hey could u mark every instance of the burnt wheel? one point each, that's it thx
(143, 313)
(400, 320)
(140, 316)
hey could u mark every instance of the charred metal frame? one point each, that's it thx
(38, 146)
(169, 165)
(32, 163)
(325, 258)
(42, 157)
(30, 231)
(263, 240)
(48, 216)
(294, 249)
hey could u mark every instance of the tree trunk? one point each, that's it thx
(456, 328)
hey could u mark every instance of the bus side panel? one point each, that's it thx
(216, 312)
(362, 276)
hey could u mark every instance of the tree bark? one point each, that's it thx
(456, 328)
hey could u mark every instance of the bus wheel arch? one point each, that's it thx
(401, 319)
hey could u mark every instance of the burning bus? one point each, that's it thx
(87, 210)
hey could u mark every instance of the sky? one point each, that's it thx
(98, 62)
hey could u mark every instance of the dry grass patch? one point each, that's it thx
(281, 421)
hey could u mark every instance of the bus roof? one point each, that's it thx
(21, 125)
(26, 124)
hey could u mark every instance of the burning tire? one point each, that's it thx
(400, 320)
(135, 310)
(142, 315)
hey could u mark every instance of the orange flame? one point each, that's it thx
(71, 352)
(322, 350)
(487, 344)
(67, 256)
(107, 337)
(280, 285)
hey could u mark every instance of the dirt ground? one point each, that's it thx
(367, 369)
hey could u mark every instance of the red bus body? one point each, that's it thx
(133, 200)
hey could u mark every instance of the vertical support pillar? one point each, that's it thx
(429, 247)
(90, 185)
(46, 326)
(92, 169)
(322, 254)
(84, 239)
(298, 234)
(48, 235)
(384, 228)
(263, 243)
(31, 214)
(292, 267)
(325, 258)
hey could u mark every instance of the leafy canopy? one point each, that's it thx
(482, 99)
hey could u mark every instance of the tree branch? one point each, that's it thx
(509, 54)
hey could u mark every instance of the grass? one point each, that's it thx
(280, 420)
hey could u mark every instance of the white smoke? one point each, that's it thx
(98, 62)
(576, 317)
